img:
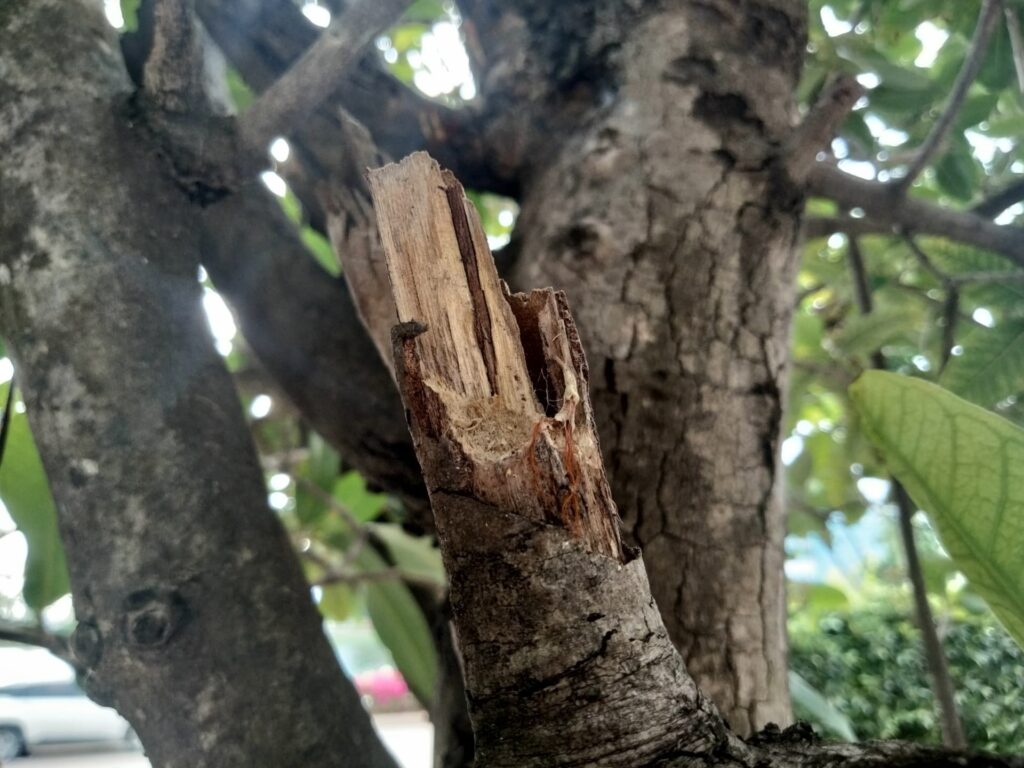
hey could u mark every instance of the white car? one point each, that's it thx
(49, 709)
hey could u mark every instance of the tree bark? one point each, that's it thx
(655, 196)
(195, 620)
(567, 661)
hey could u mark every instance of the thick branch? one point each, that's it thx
(1008, 196)
(173, 75)
(314, 78)
(987, 19)
(888, 212)
(303, 326)
(262, 40)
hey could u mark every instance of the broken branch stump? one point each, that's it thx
(567, 662)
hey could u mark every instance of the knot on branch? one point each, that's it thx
(153, 616)
(87, 644)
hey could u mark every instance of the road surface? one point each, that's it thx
(409, 737)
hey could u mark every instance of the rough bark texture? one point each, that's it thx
(567, 661)
(662, 210)
(643, 139)
(195, 620)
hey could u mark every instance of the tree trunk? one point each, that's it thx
(653, 194)
(195, 619)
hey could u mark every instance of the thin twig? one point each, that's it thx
(286, 104)
(331, 502)
(5, 420)
(36, 635)
(173, 75)
(925, 261)
(1016, 43)
(950, 315)
(862, 291)
(887, 212)
(938, 667)
(968, 72)
(820, 126)
(987, 278)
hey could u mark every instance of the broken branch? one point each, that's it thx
(173, 75)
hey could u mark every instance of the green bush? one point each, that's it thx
(870, 666)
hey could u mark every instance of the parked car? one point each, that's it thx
(52, 709)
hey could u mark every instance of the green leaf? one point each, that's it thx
(812, 705)
(865, 334)
(413, 555)
(26, 493)
(956, 174)
(992, 366)
(965, 467)
(336, 602)
(403, 629)
(130, 13)
(350, 490)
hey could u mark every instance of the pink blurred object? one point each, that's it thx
(382, 685)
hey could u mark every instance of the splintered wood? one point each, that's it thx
(495, 385)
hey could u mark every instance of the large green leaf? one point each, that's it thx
(812, 705)
(992, 365)
(26, 493)
(404, 630)
(415, 556)
(965, 467)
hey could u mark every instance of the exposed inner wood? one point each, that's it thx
(500, 380)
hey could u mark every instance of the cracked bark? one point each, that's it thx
(664, 213)
(195, 620)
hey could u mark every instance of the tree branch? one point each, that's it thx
(968, 72)
(303, 326)
(39, 637)
(313, 79)
(173, 74)
(820, 125)
(1008, 196)
(889, 212)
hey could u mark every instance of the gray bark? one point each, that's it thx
(656, 199)
(195, 620)
(567, 661)
(644, 141)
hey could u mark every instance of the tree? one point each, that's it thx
(661, 183)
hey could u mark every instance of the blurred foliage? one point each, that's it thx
(26, 493)
(961, 464)
(869, 666)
